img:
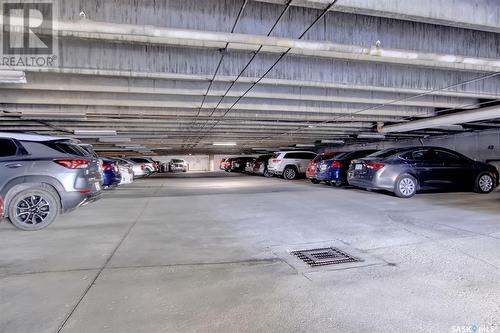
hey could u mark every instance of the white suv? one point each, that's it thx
(290, 164)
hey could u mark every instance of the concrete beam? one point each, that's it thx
(186, 102)
(150, 35)
(487, 113)
(477, 15)
(82, 83)
(98, 73)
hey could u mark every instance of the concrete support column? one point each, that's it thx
(211, 162)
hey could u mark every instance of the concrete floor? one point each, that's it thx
(210, 254)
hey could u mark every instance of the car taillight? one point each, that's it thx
(258, 163)
(142, 167)
(107, 167)
(2, 207)
(375, 166)
(73, 164)
(276, 161)
(336, 164)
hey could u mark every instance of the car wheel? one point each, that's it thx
(406, 186)
(315, 181)
(267, 173)
(34, 208)
(289, 173)
(485, 183)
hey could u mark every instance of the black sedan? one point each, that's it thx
(404, 171)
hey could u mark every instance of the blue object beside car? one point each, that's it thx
(111, 174)
(334, 171)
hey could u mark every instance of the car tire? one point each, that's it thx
(406, 186)
(290, 173)
(267, 174)
(34, 208)
(485, 183)
(314, 181)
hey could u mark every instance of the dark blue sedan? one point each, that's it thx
(334, 171)
(111, 174)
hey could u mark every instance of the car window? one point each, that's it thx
(418, 155)
(67, 147)
(7, 148)
(448, 157)
(306, 156)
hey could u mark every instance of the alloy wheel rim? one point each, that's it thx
(32, 210)
(485, 183)
(407, 186)
(290, 173)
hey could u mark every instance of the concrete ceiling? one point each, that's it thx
(179, 75)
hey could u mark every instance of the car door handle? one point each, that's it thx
(13, 165)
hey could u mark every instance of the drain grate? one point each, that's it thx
(324, 256)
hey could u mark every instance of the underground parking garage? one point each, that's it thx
(249, 166)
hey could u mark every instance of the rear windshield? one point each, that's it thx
(177, 161)
(386, 152)
(67, 147)
(90, 150)
(342, 155)
(264, 158)
(140, 160)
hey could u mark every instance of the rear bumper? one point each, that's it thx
(74, 199)
(372, 184)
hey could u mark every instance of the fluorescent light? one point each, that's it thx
(114, 139)
(305, 145)
(53, 116)
(95, 132)
(338, 142)
(371, 136)
(10, 76)
(224, 143)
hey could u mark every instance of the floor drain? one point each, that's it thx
(324, 256)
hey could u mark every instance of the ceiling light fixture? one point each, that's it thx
(10, 76)
(224, 143)
(371, 136)
(337, 142)
(95, 132)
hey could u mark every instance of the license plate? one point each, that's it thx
(358, 167)
(323, 167)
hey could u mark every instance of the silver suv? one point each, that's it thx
(43, 176)
(290, 164)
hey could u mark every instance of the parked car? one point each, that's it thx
(177, 164)
(222, 164)
(138, 169)
(313, 165)
(290, 164)
(404, 171)
(150, 166)
(42, 177)
(260, 165)
(239, 164)
(228, 163)
(126, 171)
(112, 176)
(249, 166)
(334, 171)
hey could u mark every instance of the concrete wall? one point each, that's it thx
(198, 162)
(482, 146)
